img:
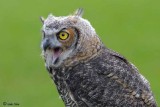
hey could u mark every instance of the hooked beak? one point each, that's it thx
(53, 52)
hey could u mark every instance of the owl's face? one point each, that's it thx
(59, 44)
(66, 37)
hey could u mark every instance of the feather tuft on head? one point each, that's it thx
(42, 19)
(79, 12)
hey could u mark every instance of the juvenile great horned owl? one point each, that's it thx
(86, 73)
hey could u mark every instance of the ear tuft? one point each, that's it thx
(79, 12)
(42, 20)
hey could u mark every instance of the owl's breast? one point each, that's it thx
(60, 80)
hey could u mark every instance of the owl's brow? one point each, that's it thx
(52, 26)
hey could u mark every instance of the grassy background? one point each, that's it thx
(131, 27)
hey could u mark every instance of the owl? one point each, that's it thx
(85, 71)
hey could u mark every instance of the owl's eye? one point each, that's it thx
(63, 35)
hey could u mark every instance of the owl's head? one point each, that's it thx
(68, 39)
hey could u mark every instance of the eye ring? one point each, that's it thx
(63, 35)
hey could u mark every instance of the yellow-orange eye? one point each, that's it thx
(63, 35)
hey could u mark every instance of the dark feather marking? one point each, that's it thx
(49, 69)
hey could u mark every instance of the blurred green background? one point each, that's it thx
(131, 27)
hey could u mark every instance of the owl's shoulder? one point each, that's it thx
(108, 77)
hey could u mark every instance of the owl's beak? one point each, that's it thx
(47, 44)
(55, 50)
